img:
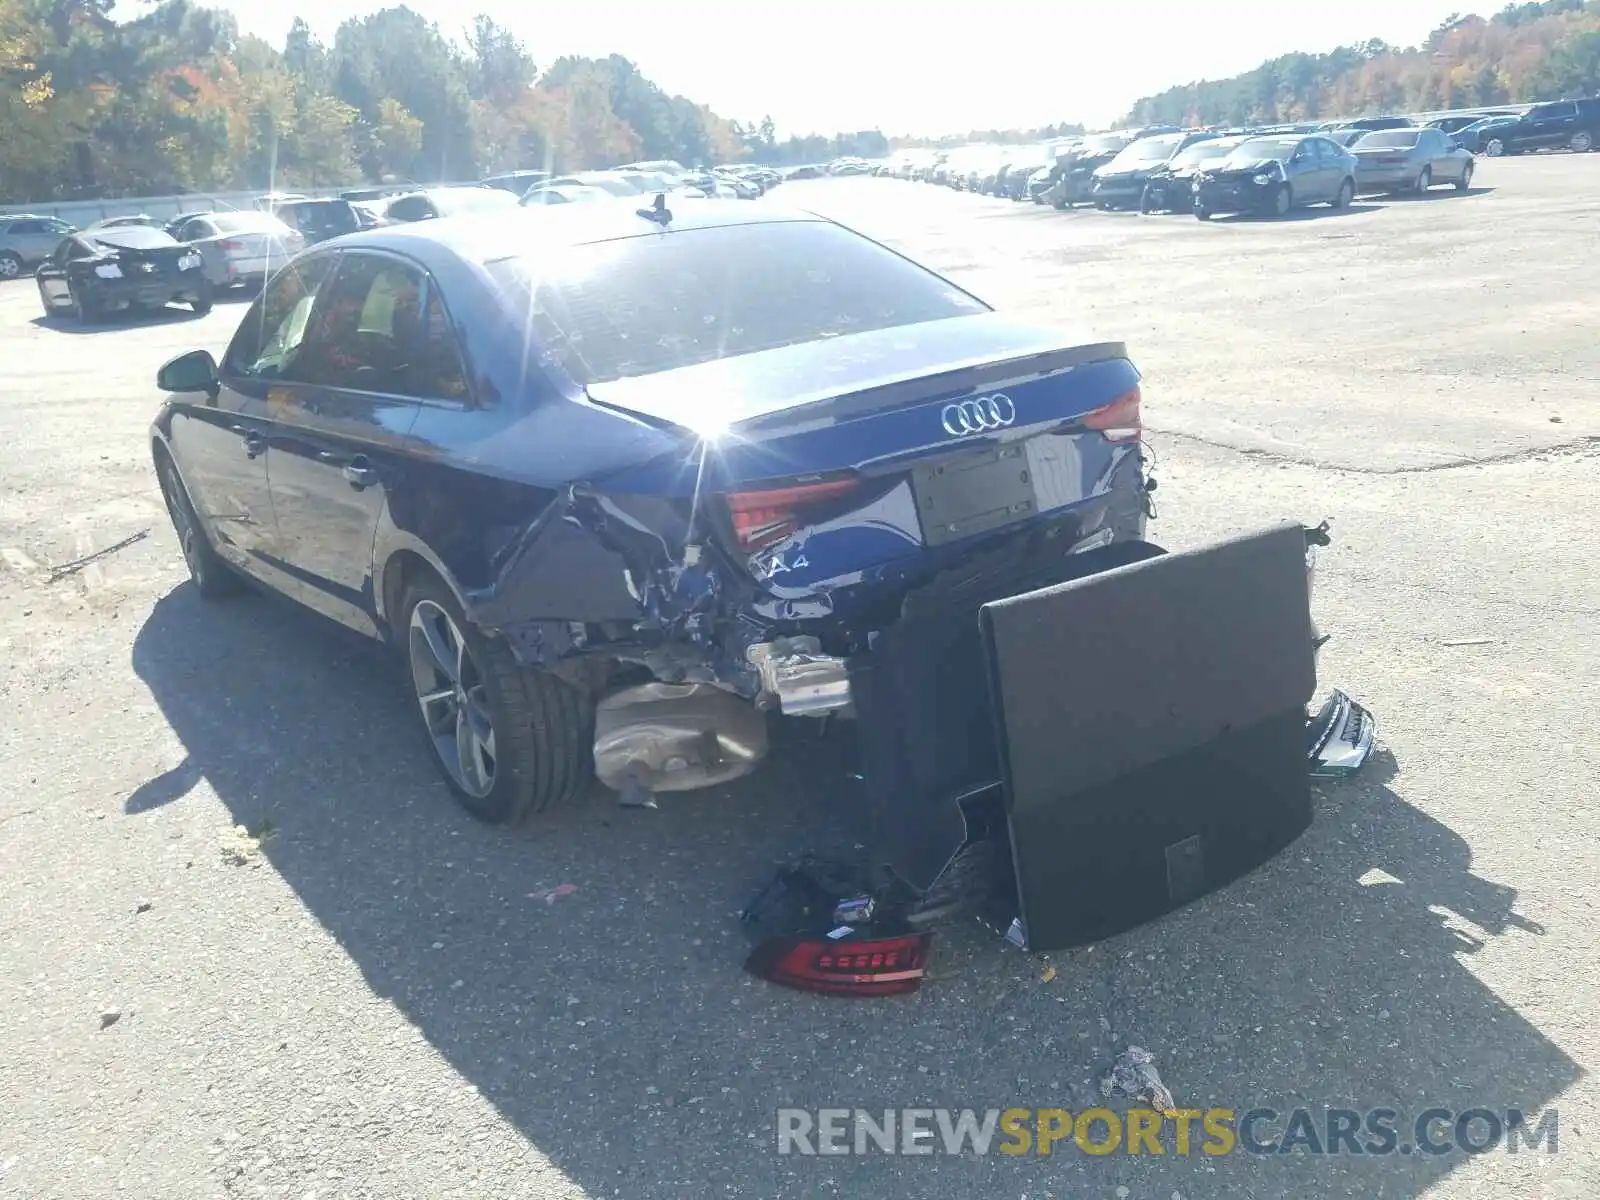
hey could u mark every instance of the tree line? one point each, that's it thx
(178, 100)
(1524, 53)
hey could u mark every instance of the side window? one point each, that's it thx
(27, 227)
(436, 371)
(365, 327)
(59, 228)
(270, 338)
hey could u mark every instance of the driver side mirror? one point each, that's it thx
(195, 371)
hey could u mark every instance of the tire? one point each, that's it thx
(1347, 193)
(1202, 214)
(1581, 142)
(213, 578)
(1424, 181)
(1282, 201)
(202, 302)
(1494, 147)
(1465, 182)
(10, 264)
(540, 747)
(87, 307)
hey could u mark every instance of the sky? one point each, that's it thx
(942, 66)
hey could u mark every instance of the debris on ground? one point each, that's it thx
(1049, 974)
(1134, 1075)
(109, 1017)
(555, 893)
(144, 906)
(1475, 641)
(241, 847)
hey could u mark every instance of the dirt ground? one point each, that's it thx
(379, 998)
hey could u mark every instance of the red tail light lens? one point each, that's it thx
(231, 244)
(1119, 421)
(874, 967)
(762, 518)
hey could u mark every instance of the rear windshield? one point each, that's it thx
(133, 237)
(245, 222)
(1201, 151)
(1393, 139)
(639, 305)
(331, 216)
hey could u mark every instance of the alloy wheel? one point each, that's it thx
(1495, 148)
(10, 266)
(455, 705)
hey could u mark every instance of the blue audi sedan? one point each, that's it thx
(618, 482)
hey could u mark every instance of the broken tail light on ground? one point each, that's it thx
(889, 966)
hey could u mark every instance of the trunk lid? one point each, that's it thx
(822, 463)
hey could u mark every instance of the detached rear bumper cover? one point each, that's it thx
(1169, 759)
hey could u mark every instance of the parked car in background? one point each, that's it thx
(1170, 188)
(1409, 160)
(239, 249)
(1120, 183)
(615, 182)
(272, 199)
(27, 240)
(1375, 123)
(98, 272)
(1459, 121)
(447, 202)
(565, 193)
(1074, 175)
(318, 220)
(1561, 125)
(1484, 136)
(515, 182)
(1345, 137)
(1270, 176)
(144, 219)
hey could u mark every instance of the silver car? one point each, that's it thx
(26, 241)
(1410, 160)
(239, 248)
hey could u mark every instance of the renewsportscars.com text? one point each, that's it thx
(1180, 1132)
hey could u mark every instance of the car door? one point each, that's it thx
(1329, 173)
(222, 445)
(52, 273)
(1305, 174)
(1547, 125)
(340, 428)
(1441, 156)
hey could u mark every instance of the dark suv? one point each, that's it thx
(1573, 124)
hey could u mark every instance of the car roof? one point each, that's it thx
(503, 233)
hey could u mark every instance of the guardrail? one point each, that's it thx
(86, 212)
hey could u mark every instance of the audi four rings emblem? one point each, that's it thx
(978, 415)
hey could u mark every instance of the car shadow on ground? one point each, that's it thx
(613, 1027)
(170, 315)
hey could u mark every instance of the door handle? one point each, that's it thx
(360, 472)
(254, 444)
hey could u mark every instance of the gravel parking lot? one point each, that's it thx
(386, 1000)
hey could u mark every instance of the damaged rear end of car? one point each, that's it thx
(857, 449)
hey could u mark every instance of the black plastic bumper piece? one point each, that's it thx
(1143, 720)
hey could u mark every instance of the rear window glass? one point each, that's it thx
(133, 237)
(640, 305)
(1394, 139)
(335, 216)
(245, 222)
